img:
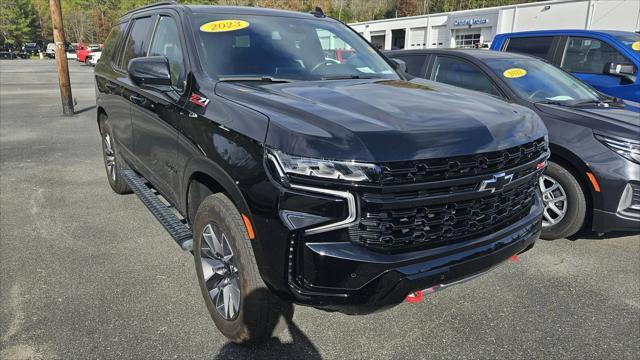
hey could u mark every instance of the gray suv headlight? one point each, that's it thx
(628, 149)
(326, 169)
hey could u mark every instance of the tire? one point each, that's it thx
(113, 164)
(86, 61)
(574, 206)
(260, 313)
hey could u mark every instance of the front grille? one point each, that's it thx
(434, 225)
(463, 166)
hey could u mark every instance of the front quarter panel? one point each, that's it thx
(225, 143)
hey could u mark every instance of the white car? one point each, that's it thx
(93, 57)
(71, 54)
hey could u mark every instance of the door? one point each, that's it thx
(377, 40)
(587, 58)
(156, 115)
(418, 38)
(467, 38)
(109, 84)
(397, 39)
(439, 36)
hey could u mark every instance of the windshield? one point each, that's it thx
(537, 81)
(631, 40)
(232, 45)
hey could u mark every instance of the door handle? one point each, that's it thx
(136, 99)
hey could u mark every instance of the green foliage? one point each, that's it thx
(90, 20)
(18, 22)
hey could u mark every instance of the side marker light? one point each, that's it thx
(594, 182)
(247, 224)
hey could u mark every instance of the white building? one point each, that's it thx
(466, 28)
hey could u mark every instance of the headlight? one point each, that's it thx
(326, 169)
(546, 141)
(628, 149)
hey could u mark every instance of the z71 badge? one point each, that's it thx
(198, 100)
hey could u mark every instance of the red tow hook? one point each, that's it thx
(514, 258)
(414, 297)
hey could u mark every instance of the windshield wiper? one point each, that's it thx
(551, 102)
(343, 77)
(597, 102)
(269, 79)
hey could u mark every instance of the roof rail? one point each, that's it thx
(173, 2)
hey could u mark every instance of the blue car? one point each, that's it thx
(607, 60)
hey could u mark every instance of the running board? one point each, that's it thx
(166, 214)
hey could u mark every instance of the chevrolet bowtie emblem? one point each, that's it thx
(498, 182)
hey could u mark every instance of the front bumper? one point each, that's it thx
(627, 215)
(328, 263)
(373, 281)
(617, 205)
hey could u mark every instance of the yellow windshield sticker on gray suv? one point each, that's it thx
(224, 25)
(514, 73)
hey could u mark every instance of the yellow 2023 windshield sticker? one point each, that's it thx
(636, 46)
(224, 25)
(514, 73)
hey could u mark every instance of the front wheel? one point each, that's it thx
(240, 304)
(565, 206)
(112, 162)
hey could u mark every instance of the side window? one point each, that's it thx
(534, 46)
(166, 42)
(587, 55)
(460, 73)
(414, 64)
(113, 40)
(137, 41)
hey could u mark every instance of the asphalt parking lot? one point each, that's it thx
(86, 273)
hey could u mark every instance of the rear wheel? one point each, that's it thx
(564, 203)
(87, 61)
(240, 304)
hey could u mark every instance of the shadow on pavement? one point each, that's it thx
(590, 235)
(76, 112)
(274, 348)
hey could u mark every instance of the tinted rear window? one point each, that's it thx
(534, 46)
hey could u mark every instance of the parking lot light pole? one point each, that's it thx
(61, 57)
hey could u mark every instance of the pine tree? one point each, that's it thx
(18, 22)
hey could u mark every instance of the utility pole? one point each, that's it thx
(61, 57)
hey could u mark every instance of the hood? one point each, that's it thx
(384, 120)
(616, 121)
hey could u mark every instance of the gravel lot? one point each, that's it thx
(87, 274)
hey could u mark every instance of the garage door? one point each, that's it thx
(440, 37)
(418, 39)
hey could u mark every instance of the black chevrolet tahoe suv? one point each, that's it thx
(299, 165)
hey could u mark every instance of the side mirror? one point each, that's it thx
(151, 72)
(400, 64)
(619, 69)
